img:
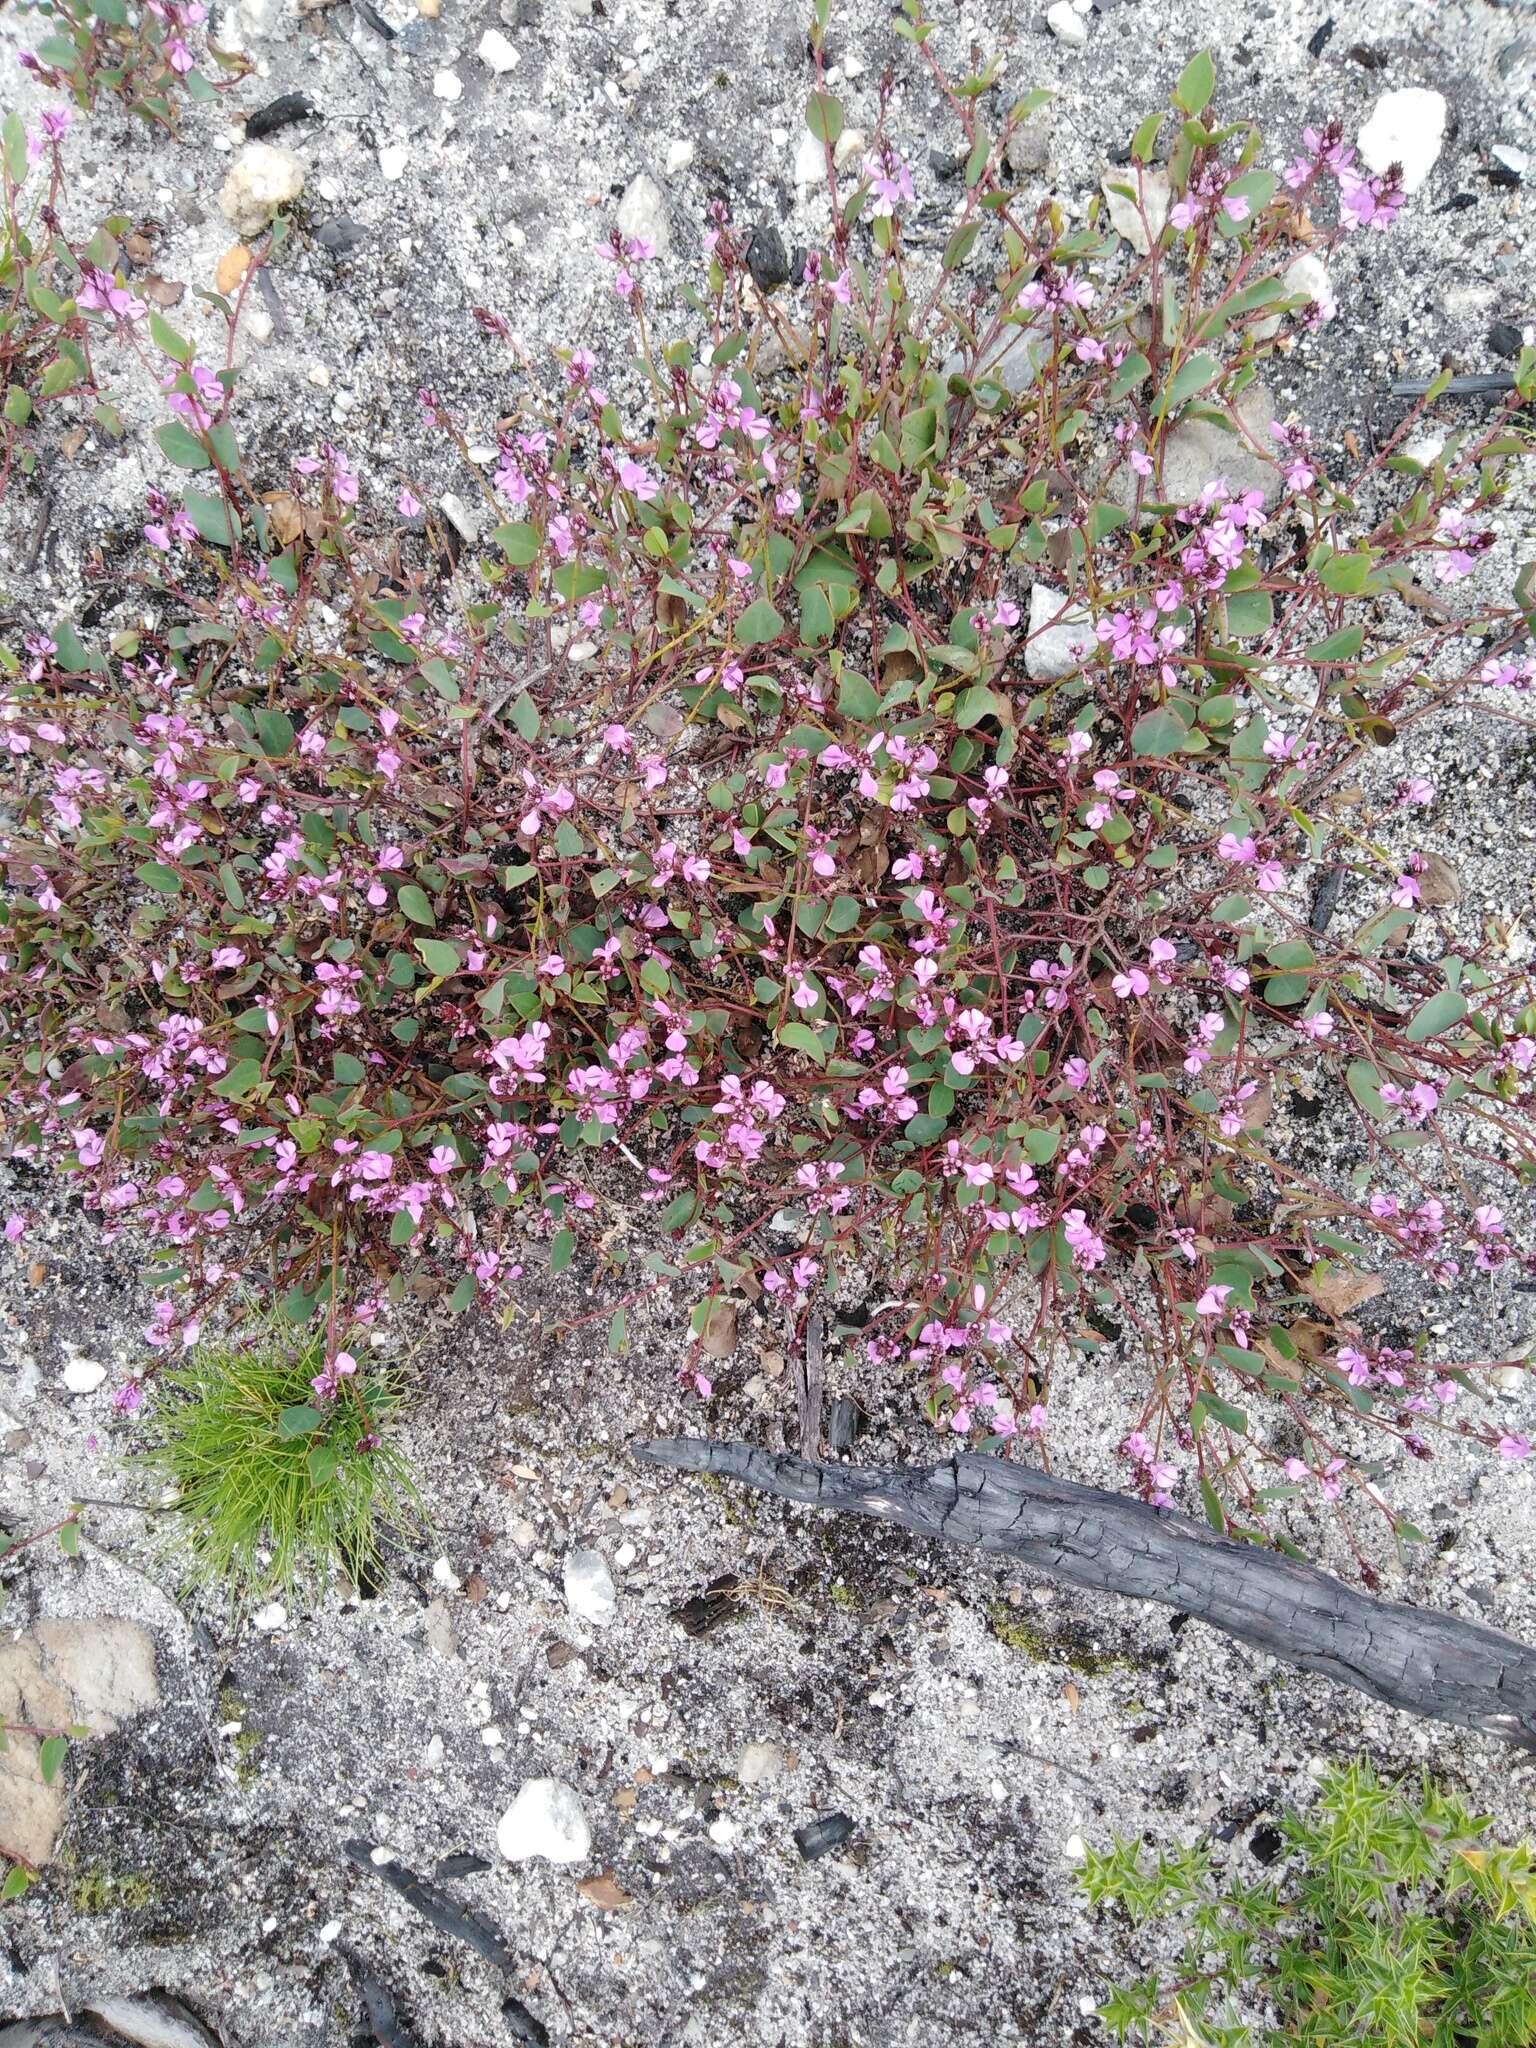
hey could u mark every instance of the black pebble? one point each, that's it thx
(1317, 42)
(280, 113)
(820, 1837)
(1501, 174)
(341, 235)
(463, 1864)
(1505, 339)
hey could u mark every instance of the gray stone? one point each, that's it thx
(589, 1588)
(1013, 359)
(546, 1819)
(1029, 146)
(1067, 25)
(1124, 215)
(1199, 451)
(1055, 650)
(92, 1673)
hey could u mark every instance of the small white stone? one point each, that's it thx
(1305, 278)
(435, 1753)
(758, 1762)
(625, 1556)
(270, 1618)
(546, 1819)
(83, 1375)
(853, 67)
(329, 1932)
(1406, 128)
(393, 158)
(810, 160)
(496, 53)
(492, 1736)
(849, 147)
(1058, 649)
(1075, 1847)
(378, 1856)
(445, 1575)
(319, 376)
(466, 520)
(269, 1925)
(589, 1588)
(262, 180)
(447, 85)
(643, 212)
(258, 325)
(1066, 24)
(722, 1830)
(679, 156)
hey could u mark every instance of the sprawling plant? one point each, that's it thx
(852, 820)
(146, 56)
(1392, 1919)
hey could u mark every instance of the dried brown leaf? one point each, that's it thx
(1339, 1292)
(1439, 883)
(161, 291)
(719, 1337)
(605, 1893)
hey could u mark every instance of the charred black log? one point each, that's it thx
(1410, 1657)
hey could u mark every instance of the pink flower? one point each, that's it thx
(1514, 1447)
(442, 1159)
(15, 1226)
(1213, 1302)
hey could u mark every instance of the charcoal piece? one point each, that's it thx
(1416, 1658)
(463, 1864)
(845, 1419)
(282, 112)
(388, 2030)
(767, 257)
(821, 1837)
(1326, 900)
(706, 1610)
(436, 1908)
(522, 2026)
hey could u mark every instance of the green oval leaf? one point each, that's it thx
(1156, 734)
(1437, 1015)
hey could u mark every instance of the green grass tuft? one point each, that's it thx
(270, 1501)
